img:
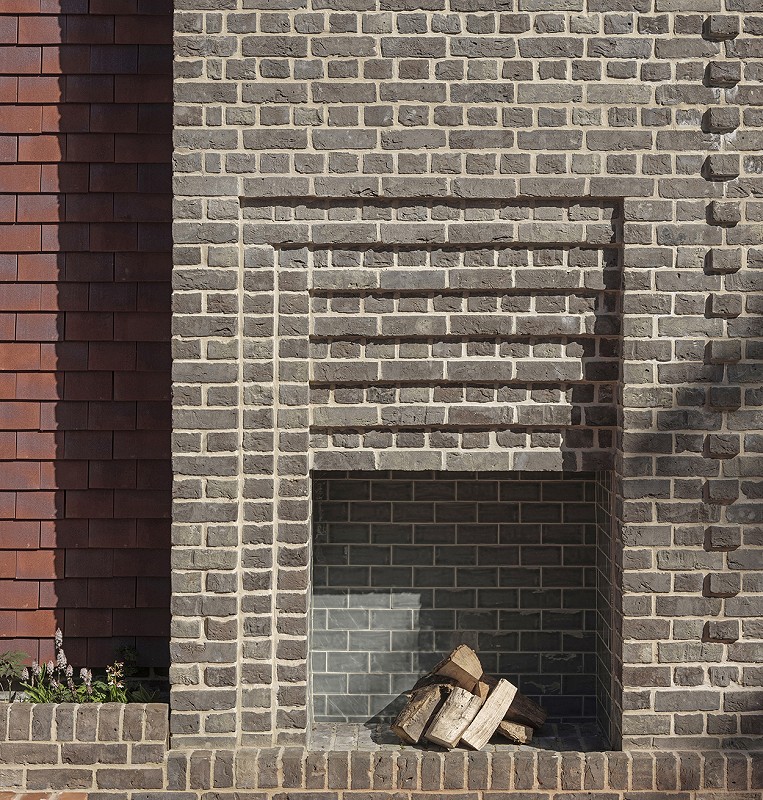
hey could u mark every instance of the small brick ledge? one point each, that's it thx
(114, 750)
(405, 772)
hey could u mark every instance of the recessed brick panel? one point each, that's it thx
(85, 143)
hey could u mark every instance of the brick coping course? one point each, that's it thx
(122, 750)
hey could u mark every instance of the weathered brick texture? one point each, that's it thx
(85, 145)
(394, 148)
(408, 235)
(115, 751)
(66, 747)
(430, 356)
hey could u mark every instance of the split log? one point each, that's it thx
(483, 726)
(522, 710)
(526, 712)
(430, 679)
(482, 689)
(424, 703)
(453, 718)
(518, 734)
(463, 666)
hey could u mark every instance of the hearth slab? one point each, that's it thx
(333, 736)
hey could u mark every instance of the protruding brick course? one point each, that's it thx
(68, 771)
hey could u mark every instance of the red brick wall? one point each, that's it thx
(85, 147)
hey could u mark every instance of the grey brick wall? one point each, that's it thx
(432, 354)
(92, 747)
(112, 751)
(409, 565)
(369, 142)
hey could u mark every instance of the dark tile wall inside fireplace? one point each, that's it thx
(408, 565)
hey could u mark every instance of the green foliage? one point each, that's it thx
(129, 657)
(140, 694)
(54, 682)
(48, 683)
(143, 695)
(11, 669)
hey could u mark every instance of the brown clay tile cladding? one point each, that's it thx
(85, 144)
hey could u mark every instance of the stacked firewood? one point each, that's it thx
(457, 703)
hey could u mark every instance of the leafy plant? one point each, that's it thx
(138, 693)
(54, 682)
(115, 685)
(11, 669)
(143, 695)
(129, 657)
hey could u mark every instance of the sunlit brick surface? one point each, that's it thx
(379, 208)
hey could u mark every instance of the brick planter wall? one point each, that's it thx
(107, 746)
(115, 751)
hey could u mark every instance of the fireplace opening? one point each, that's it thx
(408, 565)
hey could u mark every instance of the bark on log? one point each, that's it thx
(526, 712)
(431, 679)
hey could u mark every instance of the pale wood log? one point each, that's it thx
(482, 689)
(453, 718)
(414, 717)
(482, 727)
(522, 710)
(514, 732)
(462, 665)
